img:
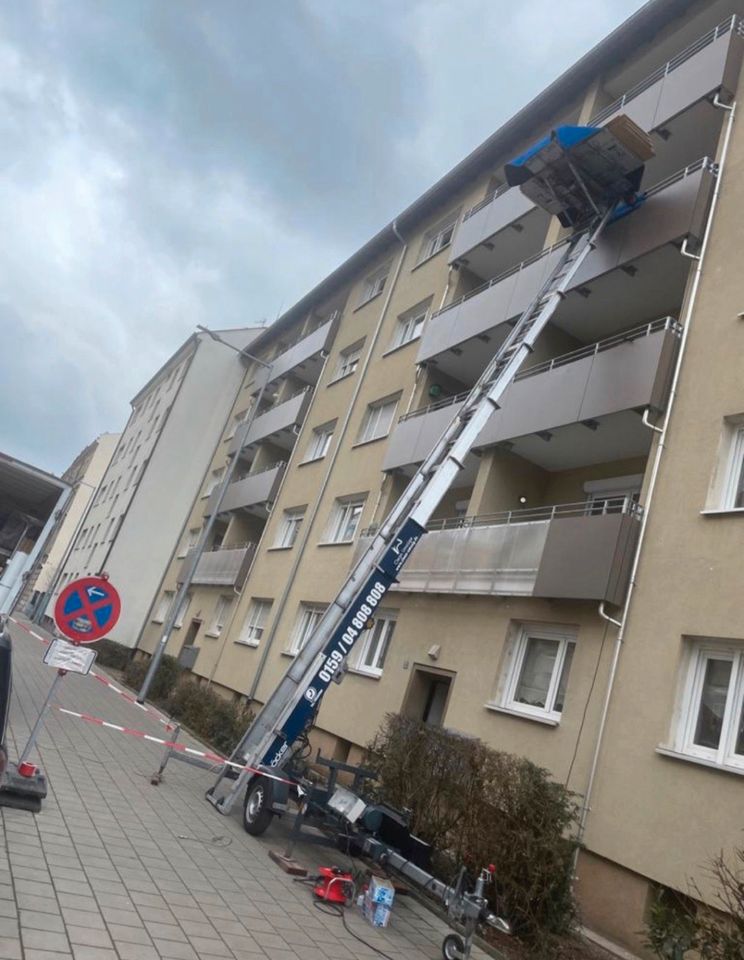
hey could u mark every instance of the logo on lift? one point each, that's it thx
(311, 694)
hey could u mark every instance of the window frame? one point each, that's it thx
(354, 350)
(374, 284)
(222, 607)
(308, 617)
(432, 242)
(320, 435)
(215, 478)
(734, 471)
(183, 609)
(388, 620)
(255, 621)
(291, 522)
(368, 419)
(163, 606)
(700, 653)
(404, 323)
(338, 520)
(567, 639)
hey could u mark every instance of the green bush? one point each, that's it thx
(209, 715)
(478, 806)
(164, 681)
(112, 654)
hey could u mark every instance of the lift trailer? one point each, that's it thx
(581, 173)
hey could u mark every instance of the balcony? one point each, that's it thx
(635, 267)
(281, 424)
(253, 493)
(223, 568)
(305, 357)
(610, 378)
(575, 551)
(674, 98)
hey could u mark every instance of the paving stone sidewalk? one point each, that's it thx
(116, 868)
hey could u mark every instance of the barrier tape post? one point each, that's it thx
(157, 778)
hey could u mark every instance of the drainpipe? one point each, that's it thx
(327, 475)
(660, 446)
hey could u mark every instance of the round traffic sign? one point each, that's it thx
(87, 609)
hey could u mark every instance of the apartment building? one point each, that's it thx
(135, 521)
(83, 475)
(504, 623)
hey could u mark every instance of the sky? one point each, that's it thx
(167, 163)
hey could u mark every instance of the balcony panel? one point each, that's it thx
(561, 552)
(253, 491)
(674, 209)
(709, 65)
(304, 358)
(224, 568)
(414, 437)
(281, 423)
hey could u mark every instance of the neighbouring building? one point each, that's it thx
(83, 475)
(32, 503)
(136, 519)
(503, 624)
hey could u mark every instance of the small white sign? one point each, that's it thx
(69, 656)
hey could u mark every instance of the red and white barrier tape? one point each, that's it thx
(168, 724)
(172, 745)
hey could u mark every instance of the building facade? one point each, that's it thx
(157, 468)
(505, 621)
(84, 476)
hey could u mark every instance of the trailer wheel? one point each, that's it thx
(257, 812)
(453, 947)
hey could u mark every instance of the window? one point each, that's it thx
(253, 627)
(307, 620)
(182, 608)
(110, 528)
(538, 673)
(236, 421)
(733, 498)
(410, 324)
(101, 494)
(161, 611)
(611, 495)
(712, 718)
(213, 481)
(344, 520)
(376, 643)
(190, 542)
(83, 537)
(377, 420)
(221, 613)
(438, 237)
(290, 527)
(320, 441)
(374, 284)
(348, 360)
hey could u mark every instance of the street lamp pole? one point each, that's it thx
(195, 555)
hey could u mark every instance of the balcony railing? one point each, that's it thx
(285, 416)
(250, 491)
(571, 551)
(301, 350)
(226, 567)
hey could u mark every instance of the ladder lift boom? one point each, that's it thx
(582, 175)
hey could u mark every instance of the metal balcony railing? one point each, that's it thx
(224, 566)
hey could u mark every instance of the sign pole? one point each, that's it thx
(31, 743)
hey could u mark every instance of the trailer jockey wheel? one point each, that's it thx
(453, 947)
(257, 807)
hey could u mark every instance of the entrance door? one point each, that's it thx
(188, 640)
(427, 695)
(189, 653)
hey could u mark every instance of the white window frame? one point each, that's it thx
(289, 528)
(182, 611)
(375, 645)
(255, 622)
(604, 496)
(190, 541)
(735, 471)
(338, 522)
(526, 632)
(410, 325)
(308, 617)
(699, 654)
(320, 441)
(438, 237)
(164, 603)
(220, 615)
(236, 421)
(374, 284)
(348, 360)
(378, 419)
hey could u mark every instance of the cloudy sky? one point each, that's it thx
(173, 162)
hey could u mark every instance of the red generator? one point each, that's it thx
(334, 885)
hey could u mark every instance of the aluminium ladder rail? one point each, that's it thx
(291, 707)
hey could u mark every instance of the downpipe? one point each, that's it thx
(660, 446)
